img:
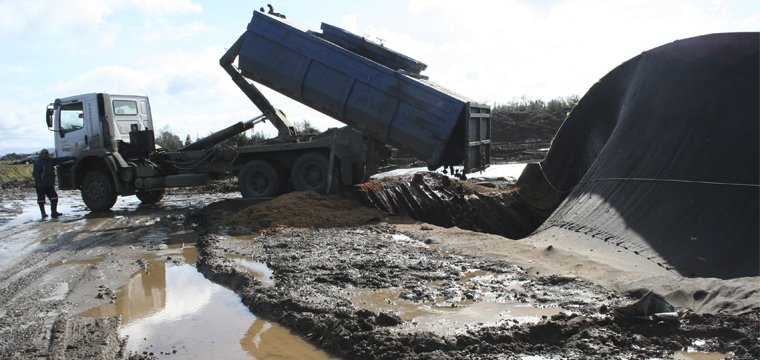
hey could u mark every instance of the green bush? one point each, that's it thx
(247, 140)
(305, 127)
(167, 140)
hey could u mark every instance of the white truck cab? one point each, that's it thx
(96, 120)
(100, 129)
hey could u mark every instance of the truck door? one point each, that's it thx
(72, 133)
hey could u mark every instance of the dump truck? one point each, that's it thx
(380, 94)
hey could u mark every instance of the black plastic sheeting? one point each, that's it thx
(661, 157)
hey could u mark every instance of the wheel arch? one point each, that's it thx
(98, 160)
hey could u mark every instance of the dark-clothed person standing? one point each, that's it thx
(44, 181)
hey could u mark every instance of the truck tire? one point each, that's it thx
(98, 191)
(309, 172)
(150, 197)
(258, 179)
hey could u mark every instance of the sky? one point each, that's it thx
(490, 51)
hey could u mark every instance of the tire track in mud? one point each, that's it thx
(39, 327)
(62, 247)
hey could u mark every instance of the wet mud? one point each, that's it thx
(131, 283)
(53, 270)
(371, 292)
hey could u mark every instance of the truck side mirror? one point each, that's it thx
(49, 116)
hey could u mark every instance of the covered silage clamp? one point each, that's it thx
(661, 158)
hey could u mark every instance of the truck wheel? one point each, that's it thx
(98, 191)
(309, 172)
(258, 179)
(150, 197)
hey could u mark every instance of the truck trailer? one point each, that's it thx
(380, 94)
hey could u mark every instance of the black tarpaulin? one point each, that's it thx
(661, 158)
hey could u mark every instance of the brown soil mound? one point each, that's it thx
(437, 199)
(16, 177)
(524, 126)
(304, 209)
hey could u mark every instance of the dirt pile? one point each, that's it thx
(304, 209)
(524, 126)
(437, 199)
(518, 136)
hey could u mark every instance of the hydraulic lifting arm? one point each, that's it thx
(284, 127)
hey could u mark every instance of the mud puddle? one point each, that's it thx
(686, 355)
(447, 316)
(24, 209)
(169, 308)
(691, 352)
(22, 230)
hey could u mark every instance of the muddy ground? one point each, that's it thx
(320, 272)
(377, 286)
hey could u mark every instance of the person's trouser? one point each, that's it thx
(48, 191)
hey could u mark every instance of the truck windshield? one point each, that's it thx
(72, 117)
(125, 107)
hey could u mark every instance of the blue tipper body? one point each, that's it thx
(379, 92)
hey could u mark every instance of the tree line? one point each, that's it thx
(170, 141)
(560, 104)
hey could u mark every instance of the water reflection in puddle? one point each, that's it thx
(446, 317)
(259, 270)
(687, 355)
(167, 307)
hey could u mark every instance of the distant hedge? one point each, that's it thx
(560, 104)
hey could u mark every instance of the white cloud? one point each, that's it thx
(401, 43)
(190, 92)
(14, 69)
(349, 22)
(158, 7)
(49, 16)
(23, 125)
(504, 49)
(748, 24)
(170, 74)
(170, 32)
(78, 16)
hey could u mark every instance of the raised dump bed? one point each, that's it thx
(385, 98)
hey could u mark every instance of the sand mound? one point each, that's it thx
(304, 209)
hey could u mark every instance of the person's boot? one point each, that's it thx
(54, 210)
(42, 211)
